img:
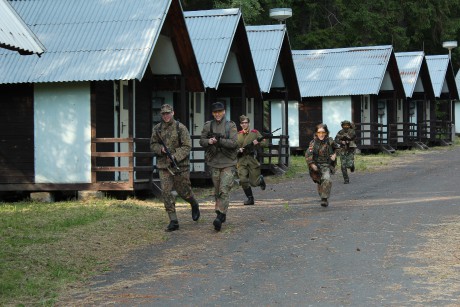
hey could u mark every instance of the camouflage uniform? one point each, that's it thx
(319, 153)
(221, 157)
(177, 139)
(347, 151)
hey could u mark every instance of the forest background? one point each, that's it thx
(407, 25)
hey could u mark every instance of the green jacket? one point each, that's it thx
(223, 153)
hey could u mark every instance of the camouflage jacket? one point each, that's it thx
(179, 144)
(319, 152)
(350, 135)
(223, 153)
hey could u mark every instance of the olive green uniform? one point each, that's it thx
(248, 166)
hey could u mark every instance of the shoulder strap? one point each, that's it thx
(227, 129)
(210, 126)
(178, 133)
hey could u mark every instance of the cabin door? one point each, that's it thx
(196, 126)
(123, 128)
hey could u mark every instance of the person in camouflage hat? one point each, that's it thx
(346, 139)
(248, 166)
(177, 139)
(218, 138)
(321, 159)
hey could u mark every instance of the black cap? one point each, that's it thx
(217, 106)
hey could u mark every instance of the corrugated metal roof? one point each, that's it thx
(266, 42)
(437, 66)
(15, 34)
(341, 71)
(86, 40)
(212, 33)
(409, 64)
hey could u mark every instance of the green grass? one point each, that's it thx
(46, 247)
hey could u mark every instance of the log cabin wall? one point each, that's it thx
(310, 114)
(16, 134)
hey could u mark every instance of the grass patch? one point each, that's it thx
(46, 247)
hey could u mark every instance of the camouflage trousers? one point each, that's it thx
(325, 185)
(223, 180)
(180, 182)
(347, 159)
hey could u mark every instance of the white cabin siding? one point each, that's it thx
(62, 125)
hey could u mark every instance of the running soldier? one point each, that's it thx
(321, 159)
(171, 143)
(218, 138)
(248, 166)
(346, 139)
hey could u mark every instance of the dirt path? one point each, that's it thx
(388, 238)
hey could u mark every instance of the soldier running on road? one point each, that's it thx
(346, 139)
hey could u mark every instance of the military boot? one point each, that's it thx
(195, 209)
(250, 200)
(173, 222)
(324, 202)
(220, 218)
(262, 185)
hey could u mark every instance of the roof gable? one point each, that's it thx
(212, 33)
(342, 71)
(441, 73)
(413, 70)
(87, 40)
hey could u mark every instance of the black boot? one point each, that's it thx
(173, 225)
(220, 218)
(262, 183)
(173, 222)
(250, 200)
(324, 202)
(195, 209)
(352, 168)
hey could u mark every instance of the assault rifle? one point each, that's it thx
(171, 158)
(215, 135)
(347, 140)
(250, 147)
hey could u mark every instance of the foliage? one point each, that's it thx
(408, 25)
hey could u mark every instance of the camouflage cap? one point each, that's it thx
(345, 122)
(166, 108)
(244, 118)
(217, 106)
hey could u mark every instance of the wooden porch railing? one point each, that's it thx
(373, 135)
(107, 163)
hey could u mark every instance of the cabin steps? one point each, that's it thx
(277, 170)
(445, 143)
(387, 149)
(420, 145)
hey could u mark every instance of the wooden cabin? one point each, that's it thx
(441, 126)
(359, 84)
(275, 69)
(79, 117)
(221, 45)
(418, 108)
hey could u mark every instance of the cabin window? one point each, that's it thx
(157, 102)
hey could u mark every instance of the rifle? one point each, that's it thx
(173, 162)
(345, 139)
(250, 146)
